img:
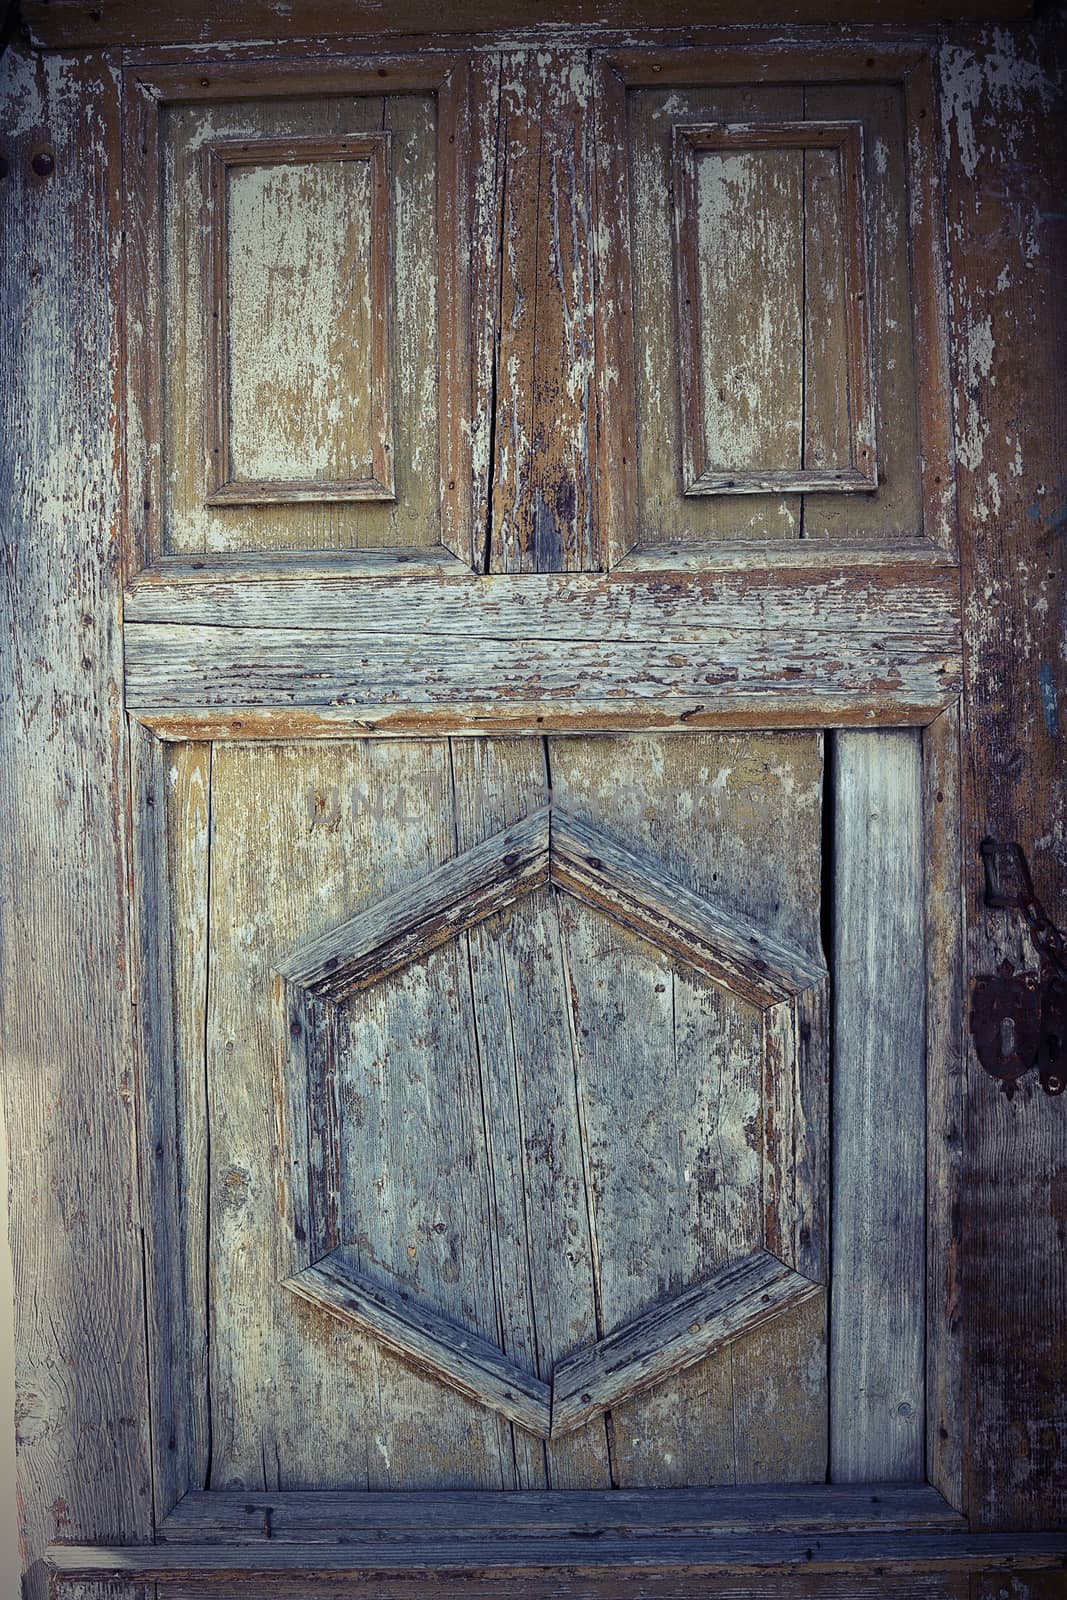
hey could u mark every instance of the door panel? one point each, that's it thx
(539, 1131)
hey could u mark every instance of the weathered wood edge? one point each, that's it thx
(736, 1300)
(642, 897)
(946, 1062)
(878, 1264)
(84, 1462)
(410, 923)
(160, 1162)
(785, 1552)
(824, 589)
(428, 1341)
(330, 1516)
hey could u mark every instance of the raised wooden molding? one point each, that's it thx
(701, 474)
(409, 924)
(786, 58)
(150, 90)
(548, 847)
(426, 1341)
(219, 160)
(736, 1300)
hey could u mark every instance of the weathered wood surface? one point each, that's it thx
(878, 1267)
(541, 507)
(518, 1221)
(302, 837)
(83, 1466)
(611, 1583)
(799, 677)
(299, 269)
(429, 912)
(946, 1068)
(427, 1341)
(629, 889)
(1004, 131)
(710, 811)
(65, 23)
(782, 1551)
(818, 587)
(737, 1300)
(327, 1518)
(167, 352)
(770, 231)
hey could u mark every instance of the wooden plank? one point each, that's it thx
(800, 676)
(84, 1460)
(961, 1552)
(542, 1241)
(946, 1067)
(811, 590)
(715, 822)
(671, 1337)
(610, 1583)
(632, 891)
(430, 912)
(329, 1517)
(299, 260)
(57, 24)
(878, 1269)
(1004, 142)
(544, 466)
(301, 838)
(428, 1341)
(613, 331)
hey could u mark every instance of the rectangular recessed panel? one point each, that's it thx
(775, 368)
(299, 401)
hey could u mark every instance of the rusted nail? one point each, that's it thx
(43, 163)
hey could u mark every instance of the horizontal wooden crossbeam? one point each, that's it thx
(265, 651)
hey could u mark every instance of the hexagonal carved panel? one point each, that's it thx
(776, 995)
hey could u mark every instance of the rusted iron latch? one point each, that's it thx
(1019, 1019)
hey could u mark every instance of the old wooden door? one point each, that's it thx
(541, 663)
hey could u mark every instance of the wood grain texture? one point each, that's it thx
(588, 864)
(878, 1275)
(430, 912)
(961, 1552)
(756, 365)
(542, 502)
(84, 1466)
(299, 263)
(1001, 115)
(63, 23)
(674, 1336)
(328, 1518)
(946, 1066)
(709, 810)
(424, 113)
(427, 1341)
(300, 838)
(611, 1583)
(542, 1245)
